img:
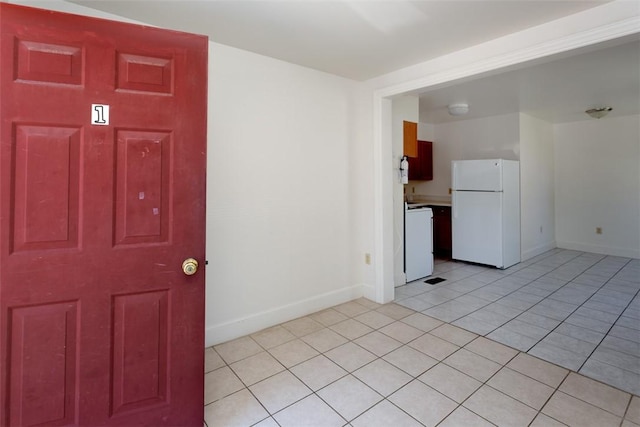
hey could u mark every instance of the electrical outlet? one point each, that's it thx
(367, 259)
(598, 230)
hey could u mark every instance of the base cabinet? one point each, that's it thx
(441, 231)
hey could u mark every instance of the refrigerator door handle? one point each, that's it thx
(454, 205)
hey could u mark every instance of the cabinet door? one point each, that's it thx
(415, 168)
(425, 156)
(441, 231)
(421, 167)
(410, 138)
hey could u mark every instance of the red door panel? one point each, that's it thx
(48, 62)
(46, 163)
(143, 165)
(98, 323)
(140, 373)
(44, 353)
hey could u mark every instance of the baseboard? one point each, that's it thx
(236, 328)
(599, 249)
(540, 249)
(400, 279)
(369, 292)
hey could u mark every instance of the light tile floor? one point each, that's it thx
(578, 310)
(418, 362)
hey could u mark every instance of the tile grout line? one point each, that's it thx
(423, 333)
(626, 410)
(351, 373)
(606, 334)
(556, 390)
(413, 378)
(315, 392)
(590, 266)
(538, 411)
(515, 290)
(506, 295)
(548, 296)
(631, 395)
(576, 309)
(499, 391)
(384, 398)
(581, 305)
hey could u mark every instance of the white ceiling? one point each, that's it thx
(366, 38)
(357, 39)
(559, 90)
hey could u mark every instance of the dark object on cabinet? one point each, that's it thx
(421, 167)
(441, 231)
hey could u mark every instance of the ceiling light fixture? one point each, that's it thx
(458, 109)
(598, 113)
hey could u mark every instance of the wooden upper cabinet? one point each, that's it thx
(421, 167)
(410, 133)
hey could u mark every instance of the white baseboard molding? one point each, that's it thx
(401, 279)
(369, 291)
(599, 249)
(216, 334)
(540, 249)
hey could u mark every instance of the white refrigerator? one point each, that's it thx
(486, 211)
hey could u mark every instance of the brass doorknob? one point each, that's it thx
(189, 266)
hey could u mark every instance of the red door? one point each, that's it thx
(102, 179)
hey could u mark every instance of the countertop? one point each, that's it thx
(418, 201)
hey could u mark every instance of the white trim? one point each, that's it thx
(538, 250)
(255, 322)
(383, 240)
(600, 249)
(369, 291)
(602, 34)
(383, 223)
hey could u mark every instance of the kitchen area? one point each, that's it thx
(484, 227)
(564, 305)
(427, 219)
(568, 197)
(421, 170)
(577, 266)
(430, 192)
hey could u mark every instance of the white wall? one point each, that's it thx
(495, 137)
(279, 206)
(598, 185)
(510, 136)
(426, 131)
(537, 208)
(361, 170)
(566, 191)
